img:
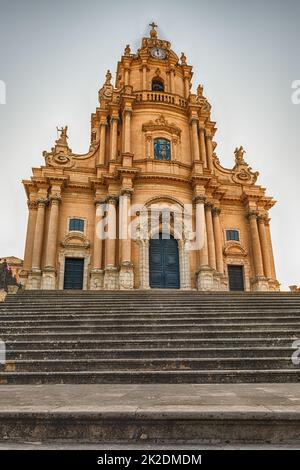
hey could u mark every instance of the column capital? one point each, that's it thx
(200, 199)
(193, 119)
(126, 192)
(98, 202)
(55, 199)
(262, 218)
(216, 211)
(208, 206)
(251, 215)
(114, 118)
(32, 205)
(42, 202)
(111, 199)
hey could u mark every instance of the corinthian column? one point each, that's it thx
(218, 239)
(269, 239)
(126, 268)
(127, 130)
(110, 278)
(255, 243)
(32, 207)
(209, 151)
(195, 140)
(210, 236)
(113, 138)
(97, 271)
(202, 145)
(205, 279)
(264, 247)
(52, 232)
(39, 235)
(103, 126)
(49, 272)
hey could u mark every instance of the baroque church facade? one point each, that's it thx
(152, 149)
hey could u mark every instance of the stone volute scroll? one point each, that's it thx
(242, 172)
(61, 154)
(105, 93)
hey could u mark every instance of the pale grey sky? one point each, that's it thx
(53, 59)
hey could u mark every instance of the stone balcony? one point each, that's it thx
(161, 97)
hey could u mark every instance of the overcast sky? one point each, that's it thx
(53, 59)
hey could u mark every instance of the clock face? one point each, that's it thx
(158, 53)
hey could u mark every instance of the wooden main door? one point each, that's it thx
(164, 263)
(236, 277)
(74, 268)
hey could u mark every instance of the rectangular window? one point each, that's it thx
(76, 225)
(232, 235)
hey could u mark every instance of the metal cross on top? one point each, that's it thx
(153, 32)
(153, 25)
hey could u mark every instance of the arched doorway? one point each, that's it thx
(164, 263)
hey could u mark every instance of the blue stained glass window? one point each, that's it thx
(162, 149)
(232, 235)
(76, 225)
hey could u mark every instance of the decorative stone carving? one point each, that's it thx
(106, 92)
(126, 276)
(242, 172)
(61, 154)
(161, 124)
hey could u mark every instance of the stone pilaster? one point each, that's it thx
(205, 275)
(127, 130)
(97, 273)
(209, 151)
(32, 214)
(264, 247)
(126, 277)
(113, 138)
(195, 140)
(103, 127)
(259, 282)
(111, 272)
(49, 272)
(34, 278)
(202, 145)
(210, 236)
(218, 240)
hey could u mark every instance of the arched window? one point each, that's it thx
(162, 149)
(76, 225)
(157, 85)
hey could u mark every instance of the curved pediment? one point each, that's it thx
(75, 240)
(234, 249)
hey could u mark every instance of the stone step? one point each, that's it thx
(152, 327)
(181, 363)
(72, 322)
(199, 333)
(216, 352)
(57, 344)
(154, 377)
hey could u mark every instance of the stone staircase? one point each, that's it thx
(157, 336)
